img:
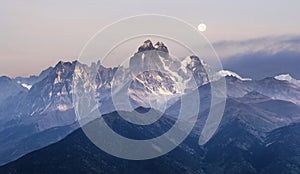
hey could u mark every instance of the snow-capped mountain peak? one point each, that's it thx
(289, 78)
(226, 73)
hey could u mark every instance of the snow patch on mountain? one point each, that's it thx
(225, 73)
(27, 86)
(289, 78)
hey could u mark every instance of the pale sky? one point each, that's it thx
(36, 34)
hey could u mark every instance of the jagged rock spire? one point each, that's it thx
(147, 45)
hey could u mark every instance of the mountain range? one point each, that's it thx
(40, 133)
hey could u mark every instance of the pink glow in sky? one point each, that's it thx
(37, 34)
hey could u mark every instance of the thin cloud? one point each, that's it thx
(264, 57)
(269, 45)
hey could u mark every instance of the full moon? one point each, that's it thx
(202, 27)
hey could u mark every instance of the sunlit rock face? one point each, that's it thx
(153, 89)
(151, 77)
(155, 78)
(157, 58)
(158, 77)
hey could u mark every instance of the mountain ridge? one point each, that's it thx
(76, 151)
(48, 104)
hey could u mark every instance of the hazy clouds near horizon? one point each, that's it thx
(37, 34)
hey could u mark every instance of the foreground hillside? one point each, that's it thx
(234, 149)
